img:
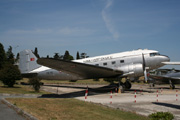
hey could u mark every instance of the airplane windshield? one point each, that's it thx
(154, 54)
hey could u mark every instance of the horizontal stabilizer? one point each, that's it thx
(84, 71)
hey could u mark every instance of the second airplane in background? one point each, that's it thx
(129, 65)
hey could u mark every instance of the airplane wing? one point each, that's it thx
(84, 71)
(171, 63)
(165, 79)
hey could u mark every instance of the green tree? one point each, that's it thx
(2, 56)
(67, 56)
(36, 52)
(84, 55)
(9, 74)
(77, 56)
(56, 56)
(10, 55)
(71, 57)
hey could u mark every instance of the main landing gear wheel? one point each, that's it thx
(172, 86)
(152, 85)
(127, 85)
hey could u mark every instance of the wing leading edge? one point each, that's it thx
(165, 79)
(83, 71)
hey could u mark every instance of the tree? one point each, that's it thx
(71, 57)
(36, 52)
(77, 56)
(67, 56)
(2, 56)
(10, 55)
(9, 74)
(56, 56)
(84, 55)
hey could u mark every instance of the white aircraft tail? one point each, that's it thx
(27, 61)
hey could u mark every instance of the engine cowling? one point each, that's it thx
(134, 70)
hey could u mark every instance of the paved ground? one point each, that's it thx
(7, 113)
(146, 97)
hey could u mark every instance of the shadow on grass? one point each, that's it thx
(9, 87)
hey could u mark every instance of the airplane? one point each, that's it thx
(161, 76)
(129, 65)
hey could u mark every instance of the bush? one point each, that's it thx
(161, 116)
(35, 82)
(9, 74)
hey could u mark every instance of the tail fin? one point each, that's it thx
(27, 61)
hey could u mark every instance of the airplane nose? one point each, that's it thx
(167, 59)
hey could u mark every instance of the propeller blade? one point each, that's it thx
(145, 75)
(144, 68)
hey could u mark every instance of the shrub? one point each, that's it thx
(161, 116)
(35, 82)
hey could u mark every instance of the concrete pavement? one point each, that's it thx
(7, 113)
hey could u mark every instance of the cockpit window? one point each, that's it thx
(154, 54)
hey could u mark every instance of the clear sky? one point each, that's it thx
(95, 27)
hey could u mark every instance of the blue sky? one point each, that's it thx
(96, 27)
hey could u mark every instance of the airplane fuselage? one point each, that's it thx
(131, 62)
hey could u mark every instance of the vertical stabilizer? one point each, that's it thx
(27, 61)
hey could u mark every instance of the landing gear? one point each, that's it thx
(127, 85)
(152, 85)
(172, 86)
(124, 86)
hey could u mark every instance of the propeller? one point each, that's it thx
(144, 68)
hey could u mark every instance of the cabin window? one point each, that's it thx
(113, 62)
(121, 61)
(154, 54)
(104, 64)
(96, 64)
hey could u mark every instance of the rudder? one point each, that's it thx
(27, 61)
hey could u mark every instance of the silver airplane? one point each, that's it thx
(169, 76)
(129, 65)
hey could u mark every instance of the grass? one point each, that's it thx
(89, 81)
(19, 89)
(70, 109)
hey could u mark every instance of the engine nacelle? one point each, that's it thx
(133, 70)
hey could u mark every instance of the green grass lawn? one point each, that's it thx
(70, 109)
(88, 81)
(19, 89)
